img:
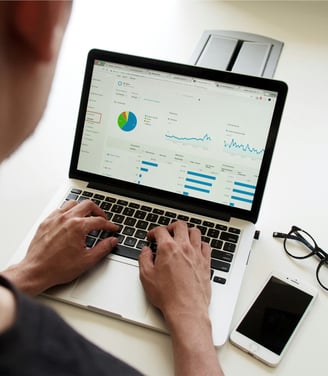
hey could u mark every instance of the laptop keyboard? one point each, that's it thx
(135, 220)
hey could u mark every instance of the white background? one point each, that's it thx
(296, 192)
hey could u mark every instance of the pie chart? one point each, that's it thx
(127, 121)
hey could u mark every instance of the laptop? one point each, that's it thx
(158, 142)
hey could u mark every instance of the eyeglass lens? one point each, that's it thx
(322, 274)
(299, 244)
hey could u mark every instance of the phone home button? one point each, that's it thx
(253, 348)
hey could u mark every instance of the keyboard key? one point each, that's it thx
(230, 247)
(205, 239)
(220, 265)
(196, 221)
(126, 252)
(89, 241)
(82, 198)
(234, 230)
(105, 234)
(151, 217)
(110, 199)
(140, 214)
(118, 218)
(219, 255)
(142, 243)
(122, 202)
(131, 242)
(146, 208)
(164, 221)
(140, 234)
(202, 229)
(94, 233)
(183, 218)
(142, 225)
(120, 238)
(208, 224)
(152, 225)
(105, 206)
(128, 231)
(170, 214)
(87, 194)
(220, 280)
(221, 227)
(212, 233)
(130, 221)
(128, 212)
(117, 208)
(216, 243)
(99, 197)
(72, 196)
(134, 205)
(76, 191)
(97, 202)
(158, 211)
(232, 238)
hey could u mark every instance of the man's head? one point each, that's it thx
(31, 33)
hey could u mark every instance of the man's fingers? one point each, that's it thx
(179, 230)
(146, 263)
(69, 205)
(97, 223)
(86, 208)
(195, 237)
(158, 234)
(102, 249)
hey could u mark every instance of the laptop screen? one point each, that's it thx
(181, 134)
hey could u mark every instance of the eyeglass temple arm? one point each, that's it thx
(282, 235)
(298, 237)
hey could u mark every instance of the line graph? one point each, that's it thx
(233, 145)
(204, 138)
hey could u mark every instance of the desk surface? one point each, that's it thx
(296, 190)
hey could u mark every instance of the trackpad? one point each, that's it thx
(114, 287)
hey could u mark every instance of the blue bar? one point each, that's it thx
(196, 189)
(243, 192)
(241, 199)
(185, 193)
(199, 182)
(201, 175)
(245, 185)
(144, 169)
(153, 164)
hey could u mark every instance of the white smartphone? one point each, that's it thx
(268, 326)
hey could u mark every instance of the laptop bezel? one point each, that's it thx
(157, 196)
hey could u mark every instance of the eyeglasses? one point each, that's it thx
(299, 244)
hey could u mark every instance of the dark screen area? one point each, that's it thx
(274, 315)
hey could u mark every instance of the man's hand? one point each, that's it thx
(58, 253)
(178, 283)
(179, 279)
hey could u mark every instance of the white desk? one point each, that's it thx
(296, 190)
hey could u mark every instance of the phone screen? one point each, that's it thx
(275, 314)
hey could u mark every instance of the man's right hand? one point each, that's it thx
(177, 282)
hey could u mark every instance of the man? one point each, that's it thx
(33, 339)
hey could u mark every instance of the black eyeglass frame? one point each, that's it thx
(315, 251)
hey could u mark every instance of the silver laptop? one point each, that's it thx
(157, 142)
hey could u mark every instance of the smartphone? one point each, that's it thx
(268, 326)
